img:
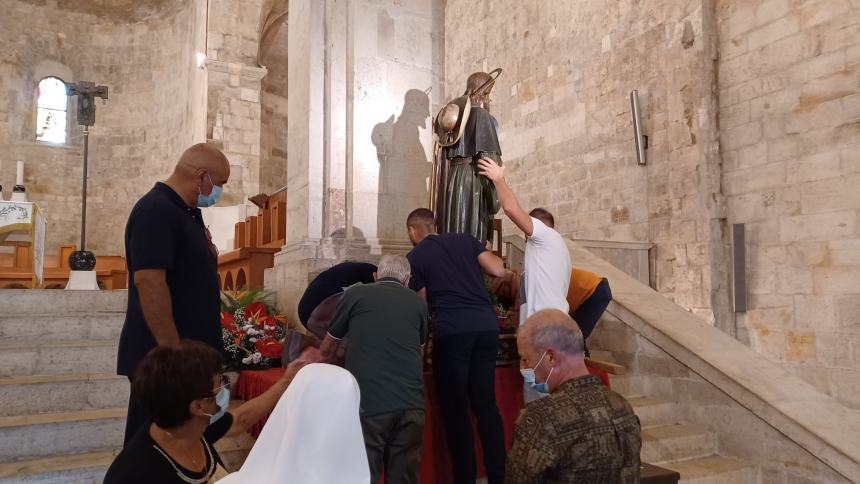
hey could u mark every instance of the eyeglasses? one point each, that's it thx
(225, 383)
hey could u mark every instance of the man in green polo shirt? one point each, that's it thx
(387, 327)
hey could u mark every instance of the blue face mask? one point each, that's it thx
(529, 377)
(223, 401)
(212, 198)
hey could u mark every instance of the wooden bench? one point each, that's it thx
(255, 243)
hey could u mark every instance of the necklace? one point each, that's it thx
(190, 480)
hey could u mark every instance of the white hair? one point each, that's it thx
(394, 266)
(551, 328)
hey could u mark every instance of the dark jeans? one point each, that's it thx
(589, 312)
(136, 418)
(464, 368)
(393, 441)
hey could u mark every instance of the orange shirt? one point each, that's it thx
(582, 286)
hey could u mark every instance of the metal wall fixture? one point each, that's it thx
(739, 256)
(640, 141)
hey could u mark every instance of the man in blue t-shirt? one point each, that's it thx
(448, 270)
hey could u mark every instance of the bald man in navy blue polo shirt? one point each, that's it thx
(172, 266)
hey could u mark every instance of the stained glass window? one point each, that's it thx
(51, 111)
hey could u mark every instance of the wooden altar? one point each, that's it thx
(22, 224)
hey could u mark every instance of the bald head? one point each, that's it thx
(204, 157)
(551, 329)
(200, 169)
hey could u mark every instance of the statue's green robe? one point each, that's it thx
(468, 202)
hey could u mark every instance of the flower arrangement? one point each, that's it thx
(251, 328)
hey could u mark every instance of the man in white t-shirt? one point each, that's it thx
(546, 272)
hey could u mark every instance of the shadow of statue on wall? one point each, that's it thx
(404, 164)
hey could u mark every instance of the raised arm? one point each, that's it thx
(507, 199)
(250, 412)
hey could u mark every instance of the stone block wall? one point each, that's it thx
(751, 108)
(566, 128)
(149, 67)
(233, 97)
(789, 96)
(397, 84)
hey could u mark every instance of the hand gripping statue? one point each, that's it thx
(462, 200)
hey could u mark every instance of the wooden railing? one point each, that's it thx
(16, 270)
(256, 240)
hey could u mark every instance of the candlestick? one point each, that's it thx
(18, 191)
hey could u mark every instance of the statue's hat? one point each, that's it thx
(450, 123)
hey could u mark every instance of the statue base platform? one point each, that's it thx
(82, 281)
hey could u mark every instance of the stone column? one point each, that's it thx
(358, 132)
(234, 122)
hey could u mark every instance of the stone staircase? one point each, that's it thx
(688, 449)
(62, 407)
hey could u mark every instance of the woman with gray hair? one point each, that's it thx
(387, 327)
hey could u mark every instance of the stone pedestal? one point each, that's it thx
(82, 281)
(298, 264)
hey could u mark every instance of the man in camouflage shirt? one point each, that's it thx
(582, 432)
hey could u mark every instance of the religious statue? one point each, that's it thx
(462, 200)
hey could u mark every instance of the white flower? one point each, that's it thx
(247, 360)
(252, 340)
(256, 357)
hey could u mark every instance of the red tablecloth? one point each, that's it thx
(435, 465)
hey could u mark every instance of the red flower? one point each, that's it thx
(269, 348)
(256, 310)
(227, 320)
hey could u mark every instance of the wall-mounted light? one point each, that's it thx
(640, 141)
(201, 60)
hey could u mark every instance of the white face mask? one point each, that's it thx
(223, 401)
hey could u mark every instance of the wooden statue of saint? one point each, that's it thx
(462, 200)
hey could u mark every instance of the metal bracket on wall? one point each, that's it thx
(739, 283)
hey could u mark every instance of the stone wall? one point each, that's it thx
(149, 67)
(789, 80)
(397, 87)
(566, 129)
(234, 81)
(364, 79)
(751, 109)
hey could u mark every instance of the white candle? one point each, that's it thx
(19, 179)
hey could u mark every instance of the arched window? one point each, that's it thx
(51, 110)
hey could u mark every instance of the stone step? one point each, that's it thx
(60, 433)
(40, 302)
(666, 443)
(27, 395)
(90, 467)
(624, 385)
(61, 469)
(38, 357)
(653, 412)
(234, 450)
(714, 470)
(98, 326)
